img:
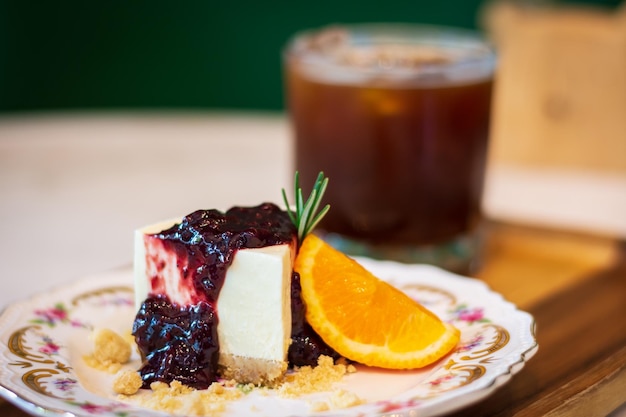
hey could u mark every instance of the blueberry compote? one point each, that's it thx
(179, 340)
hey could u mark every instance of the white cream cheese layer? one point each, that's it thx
(254, 306)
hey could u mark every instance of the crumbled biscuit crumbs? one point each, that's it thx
(177, 398)
(127, 383)
(340, 398)
(307, 379)
(109, 367)
(180, 399)
(345, 399)
(110, 351)
(319, 406)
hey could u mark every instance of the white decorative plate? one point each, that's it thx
(43, 341)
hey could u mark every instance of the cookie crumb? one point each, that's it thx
(340, 398)
(307, 379)
(127, 383)
(110, 351)
(110, 346)
(344, 399)
(319, 406)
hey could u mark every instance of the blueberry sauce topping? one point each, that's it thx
(180, 341)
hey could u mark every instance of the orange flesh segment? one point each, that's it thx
(364, 318)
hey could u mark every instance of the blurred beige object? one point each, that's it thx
(561, 96)
(560, 112)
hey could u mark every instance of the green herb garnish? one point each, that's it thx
(305, 217)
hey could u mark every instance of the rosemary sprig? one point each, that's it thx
(304, 216)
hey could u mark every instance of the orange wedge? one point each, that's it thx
(364, 318)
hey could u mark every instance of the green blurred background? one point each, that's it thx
(126, 54)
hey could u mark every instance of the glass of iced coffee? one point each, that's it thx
(397, 117)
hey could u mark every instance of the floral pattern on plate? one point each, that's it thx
(43, 340)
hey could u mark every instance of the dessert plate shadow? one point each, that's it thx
(43, 341)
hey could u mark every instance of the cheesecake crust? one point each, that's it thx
(250, 370)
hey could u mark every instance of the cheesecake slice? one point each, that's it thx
(213, 294)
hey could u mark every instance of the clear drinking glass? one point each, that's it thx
(397, 117)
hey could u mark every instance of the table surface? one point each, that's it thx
(56, 184)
